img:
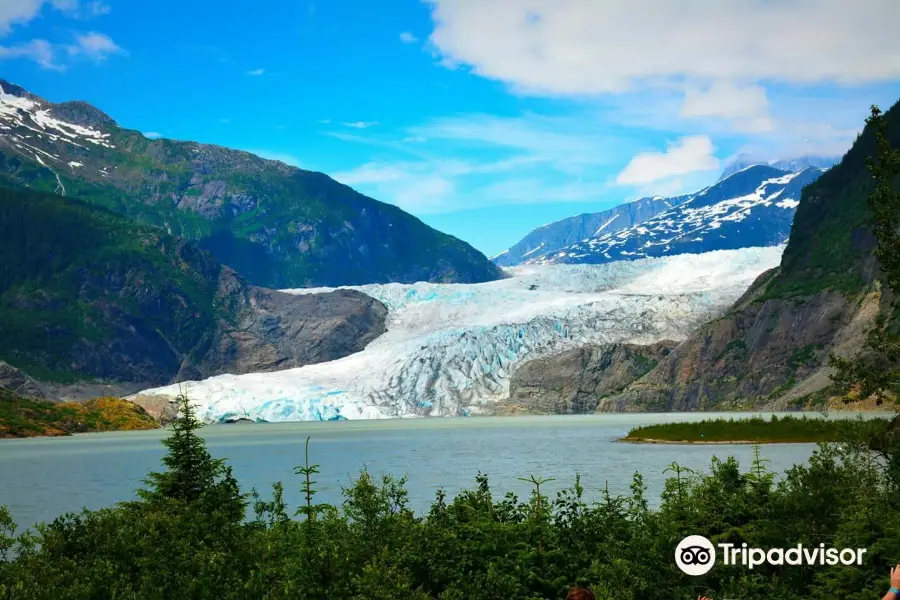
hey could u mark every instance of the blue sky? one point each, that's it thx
(485, 118)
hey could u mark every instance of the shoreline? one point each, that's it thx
(705, 442)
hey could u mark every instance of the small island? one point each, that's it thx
(754, 430)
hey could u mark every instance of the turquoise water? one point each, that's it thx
(41, 478)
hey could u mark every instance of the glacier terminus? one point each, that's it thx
(450, 349)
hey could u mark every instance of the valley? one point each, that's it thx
(450, 349)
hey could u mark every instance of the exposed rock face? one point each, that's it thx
(750, 357)
(575, 381)
(281, 331)
(163, 409)
(19, 383)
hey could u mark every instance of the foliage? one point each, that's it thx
(186, 538)
(830, 243)
(76, 280)
(876, 370)
(757, 429)
(23, 417)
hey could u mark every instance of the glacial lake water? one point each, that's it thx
(41, 478)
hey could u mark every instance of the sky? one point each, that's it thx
(484, 118)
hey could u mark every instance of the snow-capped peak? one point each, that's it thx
(753, 206)
(23, 116)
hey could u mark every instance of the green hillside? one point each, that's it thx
(85, 291)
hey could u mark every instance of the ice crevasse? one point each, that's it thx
(450, 349)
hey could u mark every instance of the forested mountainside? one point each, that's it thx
(87, 293)
(276, 225)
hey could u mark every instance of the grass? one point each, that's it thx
(23, 417)
(756, 430)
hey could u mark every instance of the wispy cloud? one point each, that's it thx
(256, 72)
(688, 155)
(225, 121)
(97, 9)
(361, 124)
(38, 51)
(408, 38)
(286, 158)
(94, 46)
(153, 135)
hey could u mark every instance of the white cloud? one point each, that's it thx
(689, 155)
(288, 159)
(256, 72)
(94, 46)
(746, 107)
(589, 47)
(21, 12)
(39, 51)
(96, 9)
(567, 142)
(408, 38)
(153, 135)
(444, 185)
(361, 124)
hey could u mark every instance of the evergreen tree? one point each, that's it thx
(876, 371)
(193, 475)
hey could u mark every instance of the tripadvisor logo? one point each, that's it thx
(696, 555)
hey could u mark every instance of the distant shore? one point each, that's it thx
(755, 430)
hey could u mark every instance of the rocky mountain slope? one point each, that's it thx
(555, 236)
(750, 208)
(771, 348)
(574, 381)
(85, 293)
(276, 225)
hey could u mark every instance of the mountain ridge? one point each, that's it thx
(277, 225)
(554, 236)
(751, 207)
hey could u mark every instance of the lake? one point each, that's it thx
(41, 478)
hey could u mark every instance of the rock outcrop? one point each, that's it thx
(577, 380)
(17, 382)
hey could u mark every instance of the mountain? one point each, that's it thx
(86, 293)
(792, 164)
(276, 225)
(771, 348)
(752, 207)
(554, 236)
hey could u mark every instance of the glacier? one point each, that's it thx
(449, 349)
